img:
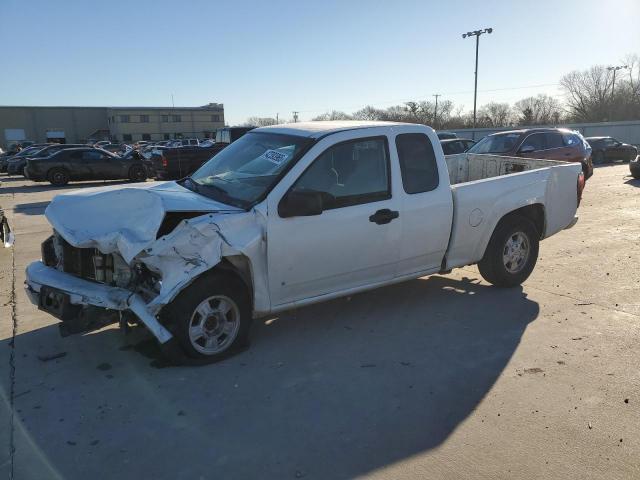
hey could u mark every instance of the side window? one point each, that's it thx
(417, 162)
(350, 173)
(571, 139)
(91, 155)
(554, 140)
(536, 141)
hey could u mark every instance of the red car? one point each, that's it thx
(547, 143)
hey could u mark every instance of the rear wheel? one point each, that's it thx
(210, 318)
(137, 173)
(58, 177)
(512, 252)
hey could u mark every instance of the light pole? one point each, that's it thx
(435, 111)
(614, 70)
(476, 33)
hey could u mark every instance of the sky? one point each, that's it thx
(262, 58)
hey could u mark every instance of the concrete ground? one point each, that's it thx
(442, 377)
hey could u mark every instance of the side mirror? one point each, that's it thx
(300, 203)
(527, 149)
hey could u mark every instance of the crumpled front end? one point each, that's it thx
(131, 262)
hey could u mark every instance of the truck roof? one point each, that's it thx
(319, 129)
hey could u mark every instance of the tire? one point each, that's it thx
(137, 173)
(508, 268)
(58, 177)
(215, 336)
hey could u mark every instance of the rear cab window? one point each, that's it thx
(418, 164)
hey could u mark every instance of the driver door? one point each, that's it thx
(354, 241)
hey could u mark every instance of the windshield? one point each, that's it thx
(500, 143)
(248, 168)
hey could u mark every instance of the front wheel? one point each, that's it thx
(210, 318)
(58, 177)
(512, 252)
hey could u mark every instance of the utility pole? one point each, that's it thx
(277, 118)
(435, 111)
(613, 85)
(476, 33)
(295, 117)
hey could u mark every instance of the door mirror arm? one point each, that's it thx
(301, 203)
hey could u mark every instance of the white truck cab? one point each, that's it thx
(291, 215)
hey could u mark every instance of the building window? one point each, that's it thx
(146, 136)
(126, 137)
(124, 118)
(165, 118)
(167, 136)
(177, 135)
(215, 118)
(176, 118)
(144, 118)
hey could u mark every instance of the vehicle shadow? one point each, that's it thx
(634, 182)
(331, 391)
(34, 208)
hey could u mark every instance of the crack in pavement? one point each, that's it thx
(12, 365)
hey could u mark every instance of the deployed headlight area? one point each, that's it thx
(106, 268)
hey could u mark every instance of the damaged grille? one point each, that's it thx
(87, 263)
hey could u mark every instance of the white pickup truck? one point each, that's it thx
(291, 215)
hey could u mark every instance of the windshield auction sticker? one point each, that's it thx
(275, 157)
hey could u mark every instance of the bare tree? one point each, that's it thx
(260, 121)
(539, 110)
(588, 93)
(494, 114)
(333, 115)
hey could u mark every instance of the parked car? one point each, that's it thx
(16, 165)
(547, 143)
(634, 167)
(452, 146)
(170, 163)
(6, 234)
(608, 149)
(25, 152)
(117, 148)
(288, 216)
(101, 143)
(446, 135)
(84, 164)
(231, 134)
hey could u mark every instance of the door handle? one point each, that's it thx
(384, 216)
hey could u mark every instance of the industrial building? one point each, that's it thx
(119, 124)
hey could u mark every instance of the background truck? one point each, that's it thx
(292, 215)
(177, 162)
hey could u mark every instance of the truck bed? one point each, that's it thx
(485, 187)
(468, 167)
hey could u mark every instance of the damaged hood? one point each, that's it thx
(123, 219)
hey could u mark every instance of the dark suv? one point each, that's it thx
(85, 164)
(545, 143)
(608, 149)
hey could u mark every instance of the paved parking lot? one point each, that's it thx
(441, 377)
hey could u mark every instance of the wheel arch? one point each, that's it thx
(535, 212)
